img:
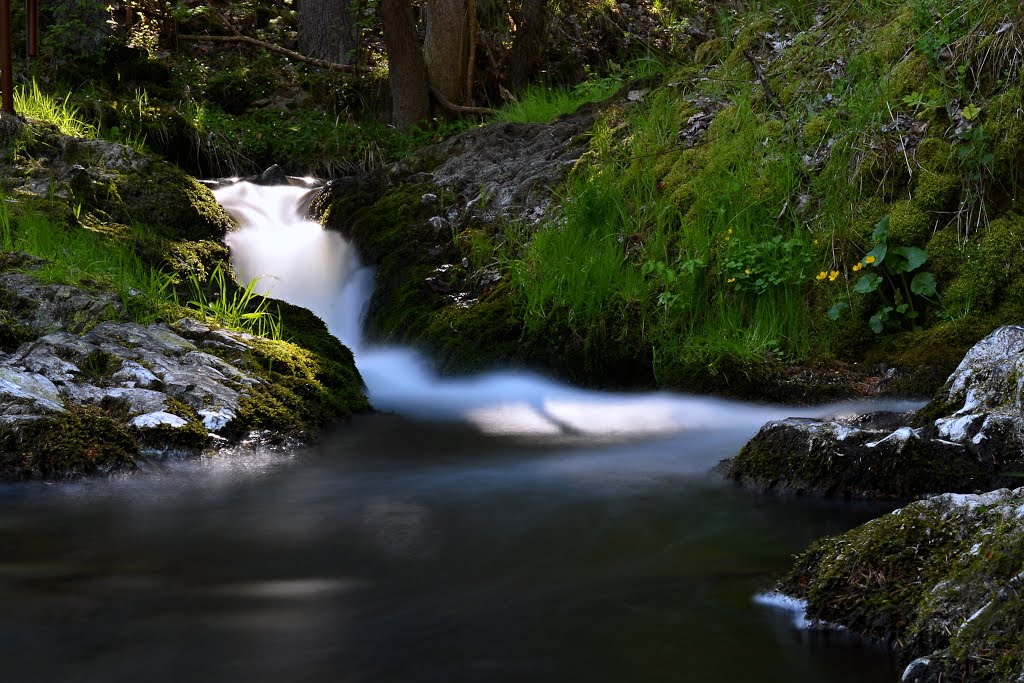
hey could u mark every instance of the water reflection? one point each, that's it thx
(402, 551)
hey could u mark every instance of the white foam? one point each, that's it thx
(304, 264)
(796, 607)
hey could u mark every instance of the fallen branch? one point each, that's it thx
(763, 78)
(297, 56)
(458, 108)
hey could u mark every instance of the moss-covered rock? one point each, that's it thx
(82, 441)
(937, 192)
(909, 224)
(939, 580)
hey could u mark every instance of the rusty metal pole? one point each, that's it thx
(6, 77)
(32, 27)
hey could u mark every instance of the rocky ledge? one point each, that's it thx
(969, 438)
(941, 580)
(83, 391)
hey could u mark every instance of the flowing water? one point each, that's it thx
(497, 528)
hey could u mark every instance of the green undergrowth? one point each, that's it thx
(715, 223)
(76, 255)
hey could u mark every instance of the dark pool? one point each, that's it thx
(405, 551)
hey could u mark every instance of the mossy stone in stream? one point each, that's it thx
(310, 382)
(822, 458)
(82, 441)
(169, 201)
(939, 580)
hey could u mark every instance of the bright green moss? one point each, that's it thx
(818, 128)
(947, 254)
(81, 441)
(909, 224)
(935, 155)
(910, 75)
(937, 192)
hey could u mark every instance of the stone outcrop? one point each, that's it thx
(970, 437)
(941, 580)
(85, 391)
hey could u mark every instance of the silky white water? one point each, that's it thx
(296, 260)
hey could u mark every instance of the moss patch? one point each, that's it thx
(83, 441)
(938, 578)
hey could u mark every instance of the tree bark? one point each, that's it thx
(446, 47)
(407, 71)
(327, 30)
(525, 56)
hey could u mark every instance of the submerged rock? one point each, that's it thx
(970, 437)
(941, 580)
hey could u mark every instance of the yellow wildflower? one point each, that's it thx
(747, 271)
(869, 259)
(730, 280)
(821, 276)
(730, 231)
(727, 238)
(858, 266)
(833, 275)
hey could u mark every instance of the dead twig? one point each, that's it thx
(270, 47)
(763, 78)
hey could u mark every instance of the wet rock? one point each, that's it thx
(969, 438)
(940, 580)
(274, 175)
(27, 393)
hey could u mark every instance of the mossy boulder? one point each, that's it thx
(939, 580)
(970, 437)
(909, 224)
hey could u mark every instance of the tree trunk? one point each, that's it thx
(327, 30)
(407, 72)
(446, 47)
(525, 56)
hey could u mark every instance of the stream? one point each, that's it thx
(493, 528)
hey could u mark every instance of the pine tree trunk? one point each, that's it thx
(446, 48)
(327, 30)
(407, 72)
(526, 54)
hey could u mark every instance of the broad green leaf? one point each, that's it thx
(881, 231)
(837, 310)
(971, 112)
(915, 257)
(924, 284)
(877, 324)
(867, 283)
(879, 252)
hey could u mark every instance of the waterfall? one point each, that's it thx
(296, 260)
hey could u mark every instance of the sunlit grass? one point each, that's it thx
(33, 103)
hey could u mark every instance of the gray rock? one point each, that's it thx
(159, 419)
(510, 169)
(962, 441)
(27, 393)
(940, 579)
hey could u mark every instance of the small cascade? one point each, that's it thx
(298, 261)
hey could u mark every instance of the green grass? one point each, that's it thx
(541, 103)
(33, 103)
(236, 308)
(78, 256)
